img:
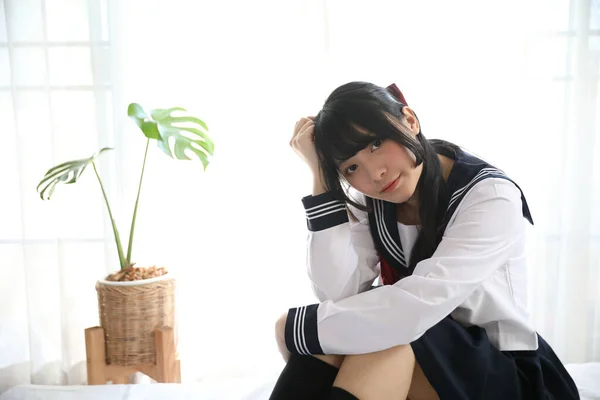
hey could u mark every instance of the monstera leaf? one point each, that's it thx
(67, 173)
(178, 136)
(175, 134)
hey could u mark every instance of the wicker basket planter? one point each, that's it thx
(137, 315)
(129, 314)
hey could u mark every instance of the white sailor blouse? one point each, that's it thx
(477, 274)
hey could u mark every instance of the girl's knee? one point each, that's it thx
(420, 388)
(385, 374)
(404, 351)
(398, 354)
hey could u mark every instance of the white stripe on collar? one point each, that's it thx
(480, 174)
(384, 235)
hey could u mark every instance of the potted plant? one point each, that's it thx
(134, 301)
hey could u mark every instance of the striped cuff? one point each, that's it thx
(324, 211)
(301, 335)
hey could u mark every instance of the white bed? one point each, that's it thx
(238, 389)
(587, 377)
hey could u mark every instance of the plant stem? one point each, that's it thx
(137, 200)
(112, 220)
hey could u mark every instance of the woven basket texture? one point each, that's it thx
(129, 316)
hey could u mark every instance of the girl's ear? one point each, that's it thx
(410, 118)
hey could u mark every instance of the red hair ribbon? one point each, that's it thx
(393, 89)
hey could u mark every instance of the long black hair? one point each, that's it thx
(358, 113)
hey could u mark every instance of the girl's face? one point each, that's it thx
(385, 169)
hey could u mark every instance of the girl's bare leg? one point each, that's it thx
(388, 374)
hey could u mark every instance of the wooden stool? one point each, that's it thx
(167, 368)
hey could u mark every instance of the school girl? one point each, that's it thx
(445, 233)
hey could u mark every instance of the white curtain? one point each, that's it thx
(515, 82)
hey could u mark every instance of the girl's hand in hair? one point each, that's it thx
(303, 143)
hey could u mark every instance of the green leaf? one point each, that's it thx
(180, 145)
(161, 113)
(172, 120)
(179, 136)
(206, 142)
(137, 114)
(150, 129)
(137, 111)
(67, 173)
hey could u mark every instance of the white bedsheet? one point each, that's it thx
(239, 389)
(587, 377)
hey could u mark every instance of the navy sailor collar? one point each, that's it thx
(467, 171)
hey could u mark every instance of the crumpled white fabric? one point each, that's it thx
(587, 379)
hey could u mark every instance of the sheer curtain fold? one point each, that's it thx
(518, 88)
(55, 95)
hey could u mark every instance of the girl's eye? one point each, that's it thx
(351, 169)
(376, 144)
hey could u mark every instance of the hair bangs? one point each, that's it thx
(341, 139)
(341, 135)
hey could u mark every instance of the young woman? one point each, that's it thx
(444, 231)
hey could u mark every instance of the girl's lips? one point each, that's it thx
(391, 186)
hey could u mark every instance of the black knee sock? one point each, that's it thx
(304, 378)
(340, 394)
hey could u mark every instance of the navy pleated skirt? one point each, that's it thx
(461, 363)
